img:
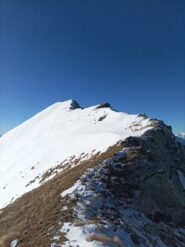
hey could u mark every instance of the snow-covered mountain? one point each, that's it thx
(91, 177)
(61, 133)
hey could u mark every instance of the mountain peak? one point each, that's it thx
(59, 132)
(70, 104)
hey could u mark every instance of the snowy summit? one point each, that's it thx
(56, 134)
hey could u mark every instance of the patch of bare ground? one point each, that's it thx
(34, 216)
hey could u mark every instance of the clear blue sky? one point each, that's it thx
(129, 53)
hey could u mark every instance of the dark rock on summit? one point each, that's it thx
(104, 105)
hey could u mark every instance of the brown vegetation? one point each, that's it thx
(105, 239)
(6, 239)
(82, 223)
(35, 215)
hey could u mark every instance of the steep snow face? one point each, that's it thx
(55, 135)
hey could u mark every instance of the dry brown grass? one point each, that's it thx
(6, 239)
(82, 223)
(105, 239)
(39, 210)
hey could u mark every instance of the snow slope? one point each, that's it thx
(55, 135)
(181, 137)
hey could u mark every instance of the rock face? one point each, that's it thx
(160, 160)
(135, 198)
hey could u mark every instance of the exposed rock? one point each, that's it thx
(74, 105)
(104, 105)
(142, 115)
(102, 118)
(152, 169)
(137, 195)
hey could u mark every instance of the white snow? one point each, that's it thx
(54, 135)
(14, 243)
(77, 235)
(70, 190)
(181, 137)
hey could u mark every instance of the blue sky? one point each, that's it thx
(129, 53)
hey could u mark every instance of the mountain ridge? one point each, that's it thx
(128, 191)
(61, 132)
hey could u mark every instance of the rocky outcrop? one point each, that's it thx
(104, 105)
(74, 105)
(152, 169)
(137, 196)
